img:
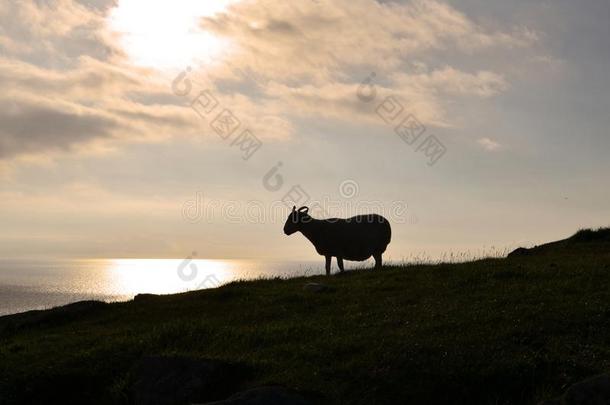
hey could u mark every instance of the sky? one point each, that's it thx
(138, 129)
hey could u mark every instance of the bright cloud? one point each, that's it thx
(79, 73)
(489, 144)
(165, 34)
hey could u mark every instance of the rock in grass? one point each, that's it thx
(51, 317)
(315, 287)
(519, 252)
(160, 380)
(145, 297)
(592, 391)
(264, 396)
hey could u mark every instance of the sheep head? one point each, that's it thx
(296, 219)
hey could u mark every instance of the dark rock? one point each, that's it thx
(588, 241)
(49, 317)
(551, 402)
(144, 297)
(591, 235)
(519, 252)
(315, 287)
(160, 380)
(592, 391)
(264, 396)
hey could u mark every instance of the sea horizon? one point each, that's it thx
(41, 283)
(36, 284)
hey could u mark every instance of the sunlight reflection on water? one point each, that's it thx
(37, 284)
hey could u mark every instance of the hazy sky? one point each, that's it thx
(103, 154)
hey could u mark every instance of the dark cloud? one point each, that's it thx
(31, 128)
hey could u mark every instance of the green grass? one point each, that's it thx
(497, 331)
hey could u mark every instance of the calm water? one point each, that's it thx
(26, 285)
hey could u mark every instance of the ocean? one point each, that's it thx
(39, 284)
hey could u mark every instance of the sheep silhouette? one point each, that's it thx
(355, 239)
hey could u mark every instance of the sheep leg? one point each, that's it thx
(328, 259)
(340, 263)
(378, 262)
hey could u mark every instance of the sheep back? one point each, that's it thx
(356, 238)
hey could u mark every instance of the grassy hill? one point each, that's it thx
(501, 331)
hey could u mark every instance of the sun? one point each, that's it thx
(165, 34)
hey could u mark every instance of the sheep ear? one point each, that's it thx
(304, 209)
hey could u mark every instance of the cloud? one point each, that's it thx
(69, 84)
(489, 144)
(49, 111)
(52, 33)
(308, 40)
(29, 126)
(423, 94)
(455, 82)
(308, 58)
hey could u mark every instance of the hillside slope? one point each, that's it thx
(496, 331)
(591, 240)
